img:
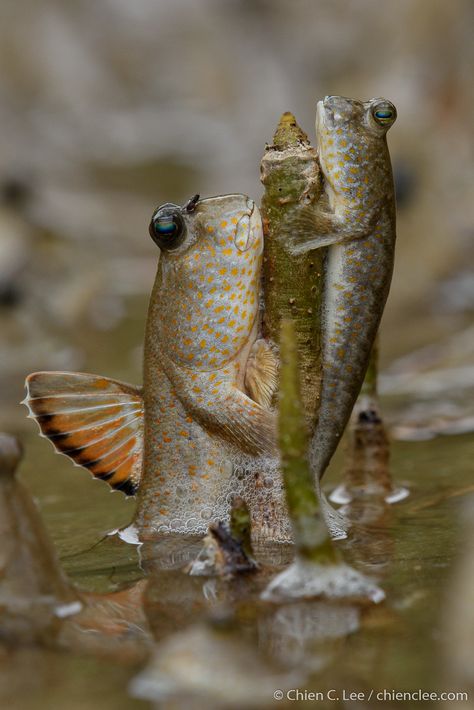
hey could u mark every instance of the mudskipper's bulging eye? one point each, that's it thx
(167, 227)
(385, 113)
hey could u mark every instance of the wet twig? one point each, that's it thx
(318, 570)
(227, 552)
(292, 284)
(311, 536)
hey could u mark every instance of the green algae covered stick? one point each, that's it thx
(318, 570)
(292, 283)
(311, 537)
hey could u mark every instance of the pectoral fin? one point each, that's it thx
(223, 409)
(95, 421)
(261, 374)
(245, 423)
(313, 229)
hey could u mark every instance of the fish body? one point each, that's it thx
(359, 231)
(356, 163)
(202, 325)
(172, 441)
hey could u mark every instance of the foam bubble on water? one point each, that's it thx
(308, 580)
(255, 479)
(128, 535)
(62, 611)
(342, 496)
(259, 482)
(398, 494)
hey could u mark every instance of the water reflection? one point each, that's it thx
(182, 639)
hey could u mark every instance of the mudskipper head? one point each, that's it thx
(351, 139)
(349, 116)
(209, 276)
(227, 220)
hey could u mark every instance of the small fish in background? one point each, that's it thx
(359, 232)
(208, 379)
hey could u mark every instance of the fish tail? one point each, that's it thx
(95, 421)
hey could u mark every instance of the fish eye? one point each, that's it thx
(384, 114)
(167, 227)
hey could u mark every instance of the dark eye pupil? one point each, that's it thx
(383, 114)
(167, 227)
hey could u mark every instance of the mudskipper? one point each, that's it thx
(208, 379)
(359, 231)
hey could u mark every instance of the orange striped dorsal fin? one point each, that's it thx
(95, 421)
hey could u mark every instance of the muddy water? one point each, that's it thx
(397, 645)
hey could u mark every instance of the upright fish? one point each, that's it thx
(359, 231)
(208, 379)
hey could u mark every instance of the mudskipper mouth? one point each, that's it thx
(329, 110)
(339, 110)
(320, 115)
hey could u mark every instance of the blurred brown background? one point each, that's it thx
(110, 108)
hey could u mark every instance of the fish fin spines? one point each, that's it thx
(246, 424)
(261, 374)
(95, 421)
